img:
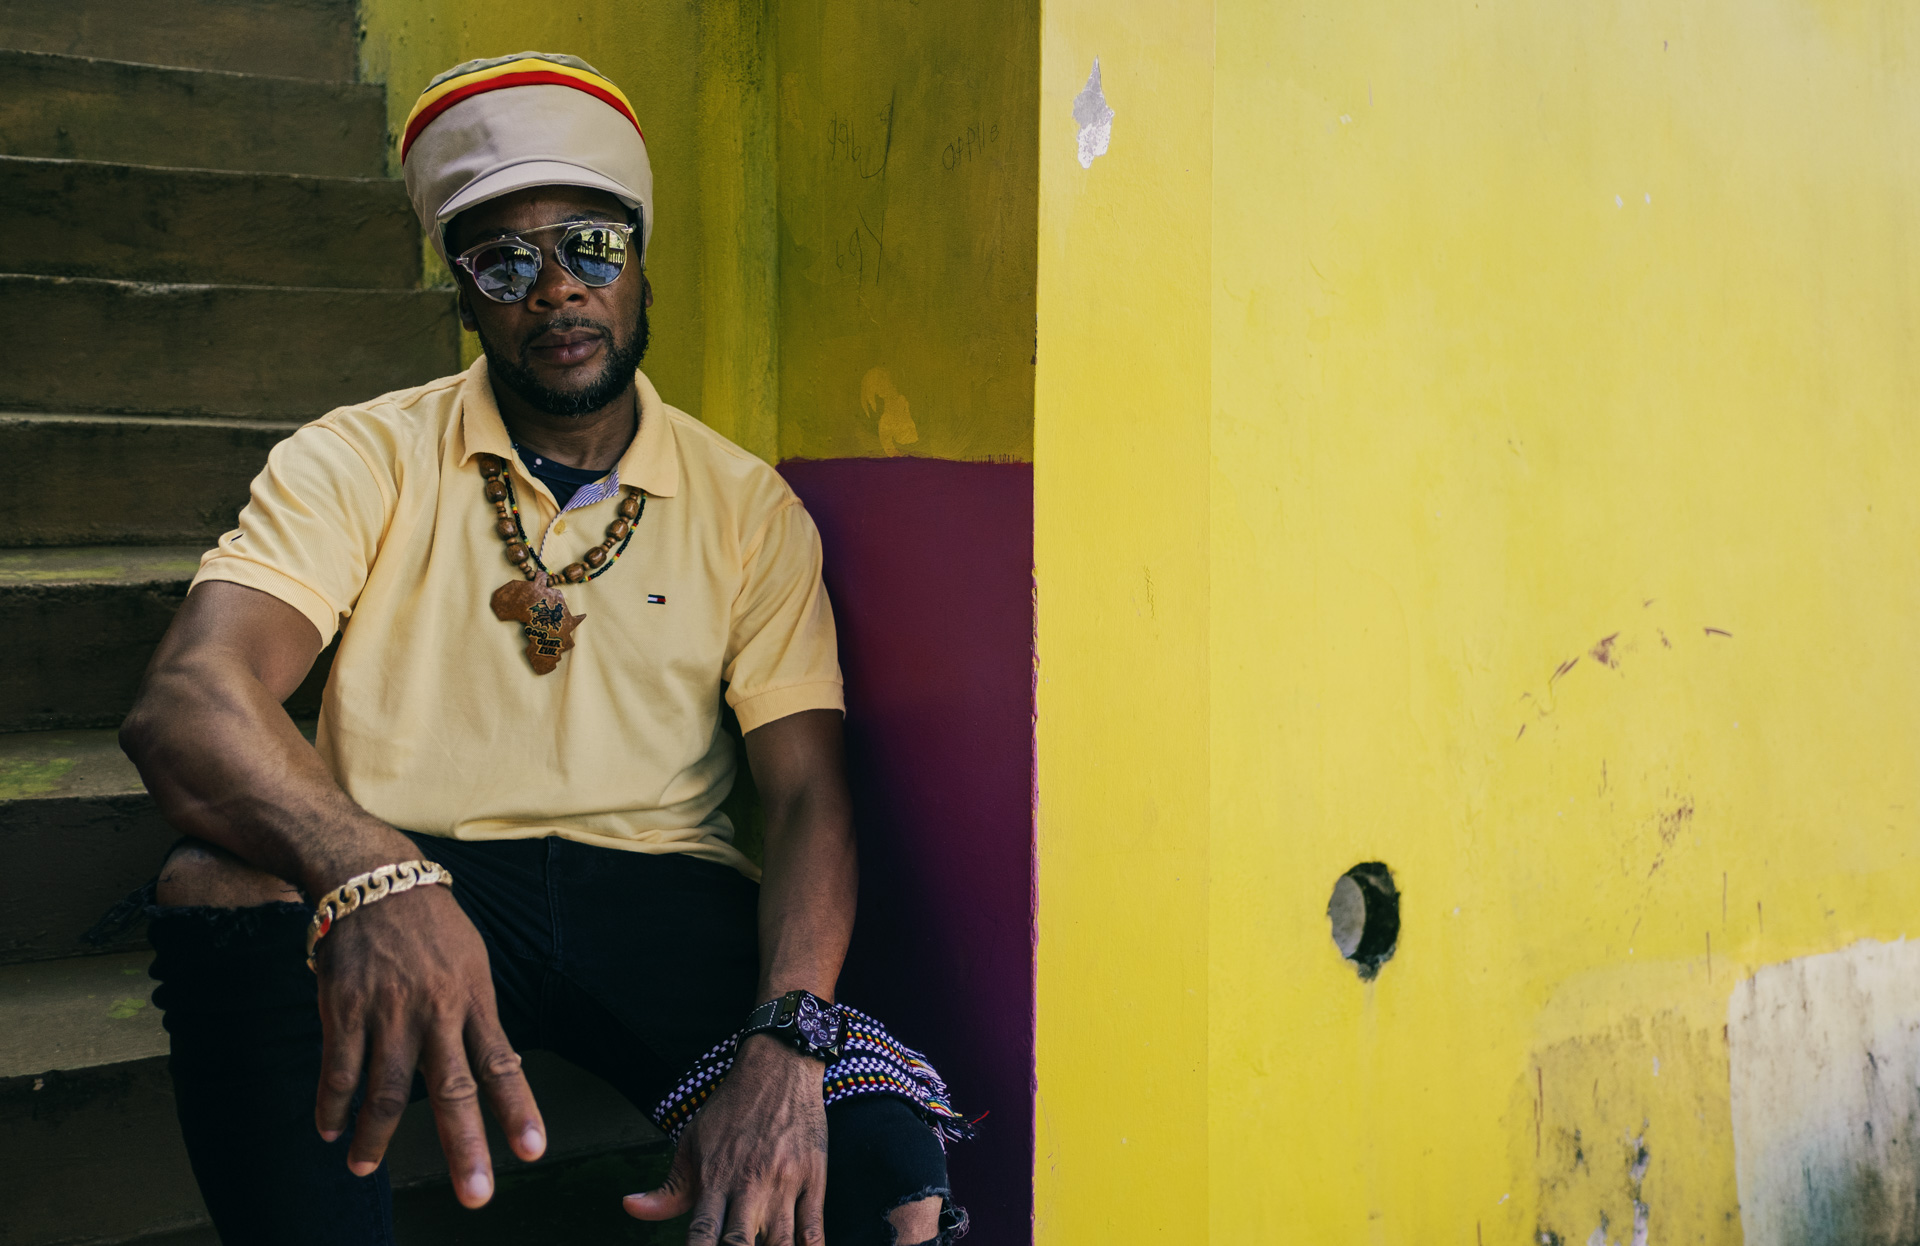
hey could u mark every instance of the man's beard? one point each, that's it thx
(615, 375)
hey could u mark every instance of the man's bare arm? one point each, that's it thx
(753, 1164)
(403, 983)
(225, 762)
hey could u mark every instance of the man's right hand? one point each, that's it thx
(404, 983)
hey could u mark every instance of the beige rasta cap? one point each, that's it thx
(490, 127)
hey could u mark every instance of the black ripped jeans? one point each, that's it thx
(627, 964)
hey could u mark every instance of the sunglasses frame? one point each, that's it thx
(464, 261)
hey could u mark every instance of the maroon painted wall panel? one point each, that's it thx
(930, 567)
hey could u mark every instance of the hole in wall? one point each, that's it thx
(1364, 913)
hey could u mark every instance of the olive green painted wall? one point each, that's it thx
(908, 176)
(843, 263)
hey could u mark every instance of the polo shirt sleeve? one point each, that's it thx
(310, 531)
(782, 653)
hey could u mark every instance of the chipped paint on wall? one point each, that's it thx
(1826, 1098)
(1094, 116)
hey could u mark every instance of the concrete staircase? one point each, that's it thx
(199, 249)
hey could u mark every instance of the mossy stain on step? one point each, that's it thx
(21, 778)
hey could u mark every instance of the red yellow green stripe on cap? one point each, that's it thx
(527, 71)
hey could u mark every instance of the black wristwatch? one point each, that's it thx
(811, 1025)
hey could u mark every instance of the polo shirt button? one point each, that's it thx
(560, 525)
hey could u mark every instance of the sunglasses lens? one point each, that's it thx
(505, 271)
(596, 256)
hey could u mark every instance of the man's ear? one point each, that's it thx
(467, 320)
(646, 288)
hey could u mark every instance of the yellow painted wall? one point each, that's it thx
(1121, 479)
(1476, 438)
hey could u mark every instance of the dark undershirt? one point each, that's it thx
(561, 480)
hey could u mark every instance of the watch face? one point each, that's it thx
(819, 1026)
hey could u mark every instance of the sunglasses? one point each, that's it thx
(504, 269)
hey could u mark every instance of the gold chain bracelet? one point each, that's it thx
(388, 880)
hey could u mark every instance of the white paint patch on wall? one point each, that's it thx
(1093, 117)
(1824, 1055)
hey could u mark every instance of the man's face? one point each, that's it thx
(567, 348)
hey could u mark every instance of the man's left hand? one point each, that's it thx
(752, 1165)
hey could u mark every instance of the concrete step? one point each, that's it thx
(563, 1200)
(75, 819)
(78, 1014)
(84, 1095)
(569, 1200)
(79, 108)
(260, 352)
(173, 481)
(84, 622)
(78, 218)
(291, 38)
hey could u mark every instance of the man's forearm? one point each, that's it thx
(810, 869)
(807, 895)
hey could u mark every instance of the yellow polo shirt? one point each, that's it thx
(372, 522)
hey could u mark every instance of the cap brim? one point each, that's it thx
(530, 173)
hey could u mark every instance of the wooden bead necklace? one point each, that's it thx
(537, 606)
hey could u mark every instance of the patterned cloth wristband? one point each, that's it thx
(388, 880)
(871, 1062)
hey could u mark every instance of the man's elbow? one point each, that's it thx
(143, 729)
(165, 702)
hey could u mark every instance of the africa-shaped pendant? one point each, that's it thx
(543, 615)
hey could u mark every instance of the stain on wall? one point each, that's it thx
(892, 414)
(1619, 1118)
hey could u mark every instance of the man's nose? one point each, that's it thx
(555, 286)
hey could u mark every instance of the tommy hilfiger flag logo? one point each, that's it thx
(655, 599)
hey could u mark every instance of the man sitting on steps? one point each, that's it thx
(544, 580)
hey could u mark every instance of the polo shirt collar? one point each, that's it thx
(651, 461)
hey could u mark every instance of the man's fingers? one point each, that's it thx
(343, 1049)
(746, 1217)
(778, 1220)
(391, 1059)
(673, 1197)
(705, 1227)
(810, 1216)
(497, 1068)
(456, 1113)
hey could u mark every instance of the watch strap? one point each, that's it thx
(761, 1019)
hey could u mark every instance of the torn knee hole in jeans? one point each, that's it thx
(951, 1225)
(219, 926)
